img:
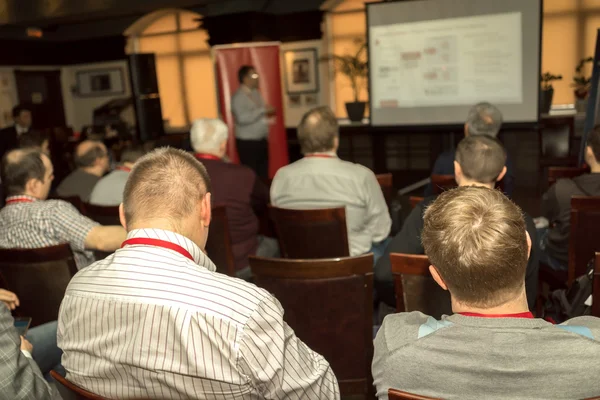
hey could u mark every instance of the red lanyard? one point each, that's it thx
(123, 168)
(207, 156)
(15, 200)
(319, 156)
(518, 315)
(159, 243)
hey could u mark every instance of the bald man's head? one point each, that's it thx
(89, 152)
(318, 131)
(26, 171)
(165, 184)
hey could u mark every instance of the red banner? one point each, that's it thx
(265, 59)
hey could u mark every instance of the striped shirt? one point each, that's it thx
(42, 223)
(149, 322)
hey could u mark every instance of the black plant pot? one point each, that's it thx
(356, 111)
(546, 100)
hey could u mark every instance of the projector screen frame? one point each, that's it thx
(445, 128)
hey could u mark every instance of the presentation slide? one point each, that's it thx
(431, 69)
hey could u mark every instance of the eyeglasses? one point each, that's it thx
(254, 76)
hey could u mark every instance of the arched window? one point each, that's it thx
(183, 64)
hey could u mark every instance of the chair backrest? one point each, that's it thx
(596, 287)
(218, 244)
(439, 183)
(329, 304)
(415, 288)
(555, 136)
(414, 200)
(70, 391)
(311, 233)
(584, 236)
(394, 394)
(104, 215)
(39, 277)
(556, 173)
(386, 181)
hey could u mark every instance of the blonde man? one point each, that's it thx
(491, 347)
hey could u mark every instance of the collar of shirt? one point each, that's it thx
(324, 154)
(20, 130)
(25, 198)
(197, 254)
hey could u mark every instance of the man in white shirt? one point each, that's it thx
(322, 180)
(156, 321)
(251, 122)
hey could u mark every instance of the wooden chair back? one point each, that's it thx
(311, 233)
(414, 200)
(441, 183)
(386, 181)
(329, 304)
(218, 244)
(394, 394)
(39, 277)
(596, 287)
(70, 391)
(415, 288)
(555, 137)
(556, 173)
(104, 215)
(584, 236)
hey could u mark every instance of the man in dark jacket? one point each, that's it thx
(556, 206)
(9, 136)
(480, 161)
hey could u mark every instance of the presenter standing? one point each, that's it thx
(251, 116)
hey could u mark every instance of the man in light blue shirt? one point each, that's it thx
(251, 116)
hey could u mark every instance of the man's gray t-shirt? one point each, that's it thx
(78, 183)
(465, 357)
(109, 190)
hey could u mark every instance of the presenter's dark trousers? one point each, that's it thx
(255, 154)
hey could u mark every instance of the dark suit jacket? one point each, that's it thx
(8, 140)
(408, 241)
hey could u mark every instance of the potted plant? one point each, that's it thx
(547, 92)
(354, 67)
(581, 84)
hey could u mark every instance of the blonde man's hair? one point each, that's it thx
(317, 130)
(476, 239)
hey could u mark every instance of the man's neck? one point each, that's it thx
(28, 194)
(128, 165)
(93, 171)
(515, 306)
(473, 183)
(187, 229)
(594, 167)
(246, 88)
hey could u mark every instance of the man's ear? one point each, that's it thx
(206, 210)
(437, 277)
(32, 186)
(122, 216)
(457, 171)
(502, 173)
(529, 244)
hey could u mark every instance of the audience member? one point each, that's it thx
(159, 322)
(491, 347)
(34, 139)
(9, 136)
(556, 206)
(20, 377)
(322, 180)
(237, 188)
(109, 190)
(483, 119)
(480, 161)
(30, 221)
(92, 161)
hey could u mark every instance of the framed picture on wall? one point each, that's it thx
(301, 71)
(100, 82)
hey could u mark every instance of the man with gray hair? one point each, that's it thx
(237, 188)
(91, 159)
(109, 190)
(483, 119)
(322, 180)
(155, 320)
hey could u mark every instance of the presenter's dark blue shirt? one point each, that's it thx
(444, 165)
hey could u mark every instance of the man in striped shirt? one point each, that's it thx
(155, 320)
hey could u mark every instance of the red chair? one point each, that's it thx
(394, 394)
(414, 200)
(556, 173)
(70, 391)
(386, 181)
(218, 244)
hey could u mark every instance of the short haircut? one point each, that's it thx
(88, 158)
(484, 119)
(132, 153)
(32, 138)
(19, 167)
(593, 141)
(18, 109)
(317, 130)
(243, 72)
(481, 158)
(207, 134)
(476, 239)
(165, 183)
